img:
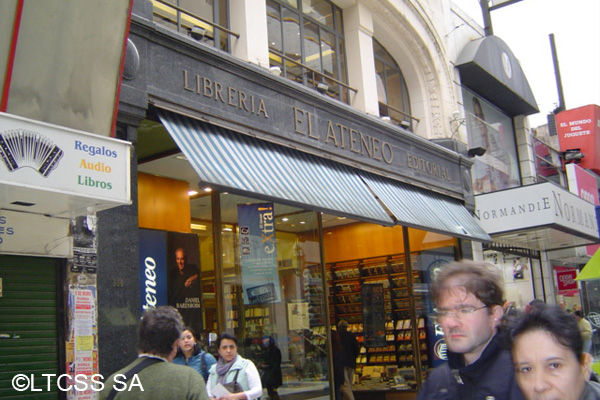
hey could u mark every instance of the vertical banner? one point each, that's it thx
(373, 315)
(153, 268)
(184, 288)
(258, 252)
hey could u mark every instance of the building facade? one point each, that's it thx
(294, 164)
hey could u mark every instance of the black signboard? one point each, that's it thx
(373, 315)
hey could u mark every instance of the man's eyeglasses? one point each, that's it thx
(458, 313)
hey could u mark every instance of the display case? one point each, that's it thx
(402, 343)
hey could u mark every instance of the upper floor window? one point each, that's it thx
(392, 91)
(203, 20)
(306, 42)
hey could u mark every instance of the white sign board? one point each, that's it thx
(50, 158)
(532, 206)
(33, 234)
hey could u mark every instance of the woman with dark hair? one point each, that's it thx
(189, 353)
(548, 357)
(272, 377)
(232, 377)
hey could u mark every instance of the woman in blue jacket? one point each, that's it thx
(190, 354)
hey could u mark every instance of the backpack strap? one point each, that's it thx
(203, 366)
(146, 362)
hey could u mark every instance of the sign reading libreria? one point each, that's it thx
(258, 253)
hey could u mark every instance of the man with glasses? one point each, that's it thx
(468, 298)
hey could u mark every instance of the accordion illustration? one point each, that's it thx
(20, 148)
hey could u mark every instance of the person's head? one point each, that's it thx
(533, 304)
(547, 352)
(159, 331)
(578, 314)
(188, 341)
(180, 258)
(342, 325)
(468, 296)
(268, 341)
(227, 346)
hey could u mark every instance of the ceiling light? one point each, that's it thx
(198, 227)
(192, 193)
(227, 229)
(285, 219)
(207, 189)
(302, 222)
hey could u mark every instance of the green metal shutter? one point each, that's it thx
(29, 324)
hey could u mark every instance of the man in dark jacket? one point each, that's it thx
(349, 353)
(468, 297)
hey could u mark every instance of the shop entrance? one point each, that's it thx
(29, 307)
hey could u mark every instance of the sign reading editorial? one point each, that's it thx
(258, 252)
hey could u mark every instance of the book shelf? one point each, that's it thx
(405, 336)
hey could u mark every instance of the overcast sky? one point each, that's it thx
(526, 27)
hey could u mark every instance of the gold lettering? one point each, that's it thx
(243, 104)
(262, 108)
(231, 92)
(365, 145)
(376, 149)
(390, 153)
(208, 88)
(298, 114)
(185, 82)
(343, 130)
(331, 134)
(219, 92)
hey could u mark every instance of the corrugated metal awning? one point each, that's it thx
(422, 209)
(239, 163)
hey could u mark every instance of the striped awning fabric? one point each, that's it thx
(422, 209)
(239, 163)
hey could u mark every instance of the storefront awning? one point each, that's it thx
(239, 163)
(488, 67)
(591, 270)
(543, 217)
(419, 208)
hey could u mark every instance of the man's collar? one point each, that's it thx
(152, 356)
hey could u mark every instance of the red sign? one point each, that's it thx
(584, 184)
(579, 128)
(566, 280)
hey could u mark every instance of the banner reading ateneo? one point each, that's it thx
(258, 253)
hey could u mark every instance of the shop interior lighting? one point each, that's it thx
(198, 227)
(192, 193)
(207, 189)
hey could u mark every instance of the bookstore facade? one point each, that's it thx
(306, 213)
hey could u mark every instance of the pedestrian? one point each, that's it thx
(152, 376)
(468, 297)
(585, 328)
(272, 377)
(190, 353)
(350, 351)
(238, 375)
(548, 357)
(338, 367)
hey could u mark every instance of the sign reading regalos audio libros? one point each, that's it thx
(579, 128)
(58, 160)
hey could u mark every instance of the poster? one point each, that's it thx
(184, 280)
(258, 253)
(298, 316)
